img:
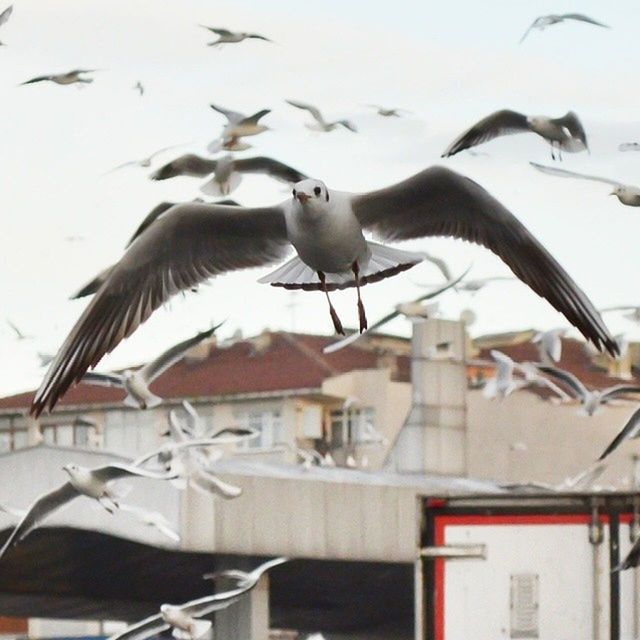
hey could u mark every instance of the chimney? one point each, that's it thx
(432, 439)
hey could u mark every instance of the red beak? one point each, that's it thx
(302, 197)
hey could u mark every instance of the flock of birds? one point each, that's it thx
(181, 245)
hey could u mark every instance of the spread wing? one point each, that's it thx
(232, 116)
(526, 33)
(253, 118)
(103, 379)
(582, 18)
(38, 511)
(37, 79)
(273, 168)
(572, 124)
(578, 389)
(563, 173)
(218, 31)
(619, 390)
(630, 430)
(497, 124)
(188, 164)
(184, 247)
(439, 202)
(116, 471)
(6, 14)
(314, 111)
(158, 366)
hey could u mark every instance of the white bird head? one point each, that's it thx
(618, 191)
(71, 469)
(311, 194)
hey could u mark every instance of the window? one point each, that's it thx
(12, 437)
(268, 423)
(69, 434)
(130, 433)
(351, 426)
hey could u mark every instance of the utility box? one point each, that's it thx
(527, 566)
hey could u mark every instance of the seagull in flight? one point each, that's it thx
(227, 171)
(542, 22)
(590, 399)
(633, 312)
(184, 619)
(136, 383)
(192, 242)
(549, 344)
(139, 87)
(92, 483)
(387, 112)
(563, 134)
(231, 37)
(4, 17)
(238, 126)
(629, 146)
(69, 77)
(320, 123)
(627, 194)
(19, 335)
(145, 163)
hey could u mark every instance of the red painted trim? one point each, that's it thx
(442, 521)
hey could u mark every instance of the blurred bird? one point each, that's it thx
(543, 22)
(92, 483)
(231, 37)
(563, 134)
(590, 399)
(70, 77)
(633, 315)
(320, 123)
(473, 286)
(627, 194)
(238, 126)
(136, 383)
(139, 87)
(4, 17)
(387, 112)
(145, 163)
(549, 344)
(153, 519)
(184, 619)
(19, 334)
(192, 242)
(629, 146)
(227, 171)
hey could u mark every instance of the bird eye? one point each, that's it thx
(294, 193)
(317, 191)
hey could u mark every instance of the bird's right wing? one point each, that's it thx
(630, 430)
(582, 18)
(208, 483)
(526, 33)
(6, 14)
(115, 471)
(563, 173)
(254, 117)
(38, 511)
(314, 111)
(103, 379)
(93, 285)
(37, 79)
(184, 247)
(188, 164)
(151, 626)
(497, 124)
(579, 390)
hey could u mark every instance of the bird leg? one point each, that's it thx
(337, 325)
(362, 316)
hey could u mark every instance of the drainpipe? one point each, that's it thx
(596, 537)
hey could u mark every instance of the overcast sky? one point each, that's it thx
(448, 63)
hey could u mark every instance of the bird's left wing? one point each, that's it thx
(103, 379)
(563, 173)
(188, 164)
(619, 390)
(146, 628)
(254, 117)
(573, 125)
(440, 202)
(273, 168)
(526, 33)
(314, 111)
(630, 430)
(158, 366)
(582, 18)
(116, 471)
(38, 511)
(184, 247)
(6, 14)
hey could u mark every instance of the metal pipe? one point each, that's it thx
(595, 538)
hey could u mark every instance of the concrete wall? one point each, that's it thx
(524, 438)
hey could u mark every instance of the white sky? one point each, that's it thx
(449, 63)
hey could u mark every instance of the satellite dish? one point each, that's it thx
(468, 317)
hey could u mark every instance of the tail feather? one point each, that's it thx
(384, 262)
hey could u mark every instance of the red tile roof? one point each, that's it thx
(287, 361)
